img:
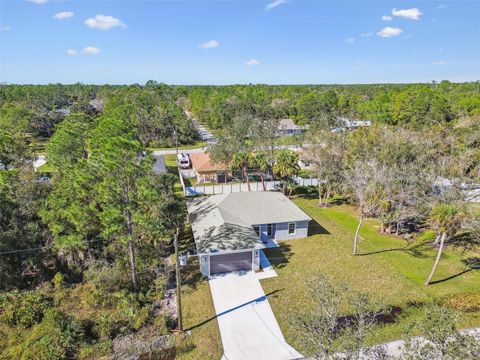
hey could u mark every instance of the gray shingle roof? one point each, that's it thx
(224, 222)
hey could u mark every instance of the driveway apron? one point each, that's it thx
(247, 324)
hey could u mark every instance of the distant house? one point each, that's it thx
(159, 166)
(208, 171)
(288, 127)
(304, 161)
(231, 229)
(349, 124)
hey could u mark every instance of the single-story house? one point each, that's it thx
(349, 124)
(208, 171)
(288, 127)
(231, 229)
(304, 161)
(159, 166)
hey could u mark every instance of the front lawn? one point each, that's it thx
(195, 145)
(388, 268)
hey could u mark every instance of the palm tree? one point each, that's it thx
(286, 166)
(446, 219)
(261, 163)
(243, 161)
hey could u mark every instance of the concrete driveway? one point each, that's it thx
(247, 325)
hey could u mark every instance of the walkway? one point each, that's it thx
(247, 324)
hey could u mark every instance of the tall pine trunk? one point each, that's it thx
(357, 233)
(131, 250)
(245, 174)
(263, 182)
(437, 259)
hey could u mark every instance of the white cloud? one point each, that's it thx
(71, 52)
(252, 62)
(104, 22)
(63, 15)
(6, 28)
(274, 4)
(367, 34)
(413, 14)
(39, 2)
(387, 18)
(210, 44)
(442, 6)
(389, 32)
(441, 62)
(90, 50)
(349, 40)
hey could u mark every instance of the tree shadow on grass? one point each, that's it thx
(260, 299)
(472, 264)
(279, 256)
(416, 250)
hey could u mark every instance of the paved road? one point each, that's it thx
(247, 324)
(204, 133)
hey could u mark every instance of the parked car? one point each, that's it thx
(183, 161)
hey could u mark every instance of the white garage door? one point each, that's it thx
(230, 262)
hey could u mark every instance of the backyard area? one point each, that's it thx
(388, 268)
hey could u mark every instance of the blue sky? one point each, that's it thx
(225, 42)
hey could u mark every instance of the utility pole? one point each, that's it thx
(176, 139)
(179, 280)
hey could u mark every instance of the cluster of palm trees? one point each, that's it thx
(284, 166)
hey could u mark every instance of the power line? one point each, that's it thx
(41, 248)
(24, 250)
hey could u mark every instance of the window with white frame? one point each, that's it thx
(291, 228)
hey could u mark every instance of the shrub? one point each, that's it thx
(427, 236)
(56, 337)
(23, 309)
(463, 302)
(96, 350)
(108, 278)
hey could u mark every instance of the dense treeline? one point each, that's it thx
(415, 104)
(154, 110)
(84, 251)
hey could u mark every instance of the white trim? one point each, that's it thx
(294, 228)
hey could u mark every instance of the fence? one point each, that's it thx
(242, 187)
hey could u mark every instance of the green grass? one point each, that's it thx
(198, 144)
(389, 269)
(46, 168)
(290, 140)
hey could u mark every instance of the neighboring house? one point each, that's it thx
(288, 127)
(471, 192)
(304, 162)
(208, 171)
(159, 166)
(231, 229)
(348, 124)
